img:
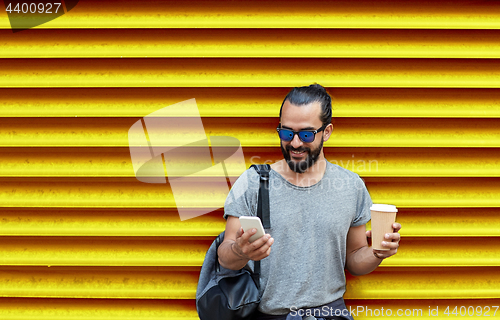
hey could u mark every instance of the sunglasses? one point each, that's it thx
(306, 136)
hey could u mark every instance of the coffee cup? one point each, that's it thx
(383, 216)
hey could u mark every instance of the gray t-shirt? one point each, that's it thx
(309, 226)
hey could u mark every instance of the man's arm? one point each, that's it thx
(235, 251)
(361, 259)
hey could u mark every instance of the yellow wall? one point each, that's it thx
(417, 115)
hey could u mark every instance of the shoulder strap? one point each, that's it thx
(262, 208)
(218, 241)
(263, 202)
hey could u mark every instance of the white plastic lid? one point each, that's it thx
(384, 208)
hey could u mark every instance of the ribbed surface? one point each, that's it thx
(416, 87)
(269, 43)
(210, 193)
(153, 251)
(248, 102)
(180, 283)
(116, 309)
(246, 72)
(419, 222)
(254, 132)
(428, 283)
(368, 162)
(458, 14)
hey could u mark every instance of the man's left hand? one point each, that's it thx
(391, 242)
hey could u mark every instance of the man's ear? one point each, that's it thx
(327, 132)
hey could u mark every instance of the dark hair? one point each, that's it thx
(305, 95)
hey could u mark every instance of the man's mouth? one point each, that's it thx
(297, 154)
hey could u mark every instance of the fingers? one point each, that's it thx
(381, 254)
(392, 240)
(264, 250)
(257, 250)
(246, 235)
(396, 226)
(239, 232)
(390, 245)
(369, 234)
(394, 237)
(261, 241)
(242, 242)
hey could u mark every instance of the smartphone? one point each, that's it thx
(248, 223)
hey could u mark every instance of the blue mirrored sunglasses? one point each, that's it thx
(306, 136)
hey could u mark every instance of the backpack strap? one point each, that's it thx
(263, 202)
(262, 208)
(218, 241)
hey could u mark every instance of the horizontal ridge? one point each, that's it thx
(367, 162)
(247, 43)
(133, 222)
(458, 14)
(208, 194)
(165, 283)
(246, 72)
(155, 251)
(247, 102)
(251, 132)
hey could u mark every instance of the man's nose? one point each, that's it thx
(296, 142)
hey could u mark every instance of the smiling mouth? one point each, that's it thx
(297, 154)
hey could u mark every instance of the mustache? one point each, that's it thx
(301, 149)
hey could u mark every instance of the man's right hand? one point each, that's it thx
(236, 250)
(257, 250)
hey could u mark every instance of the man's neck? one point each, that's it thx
(310, 177)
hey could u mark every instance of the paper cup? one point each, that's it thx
(383, 216)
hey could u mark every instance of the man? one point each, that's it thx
(318, 213)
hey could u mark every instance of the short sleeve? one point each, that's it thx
(364, 202)
(243, 196)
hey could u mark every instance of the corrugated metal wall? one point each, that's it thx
(417, 114)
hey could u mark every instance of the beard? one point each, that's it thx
(301, 166)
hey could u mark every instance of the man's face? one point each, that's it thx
(299, 155)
